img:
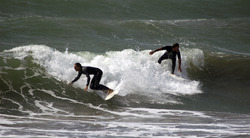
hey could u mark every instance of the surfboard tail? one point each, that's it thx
(110, 95)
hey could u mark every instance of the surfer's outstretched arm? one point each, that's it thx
(152, 52)
(77, 78)
(78, 68)
(179, 68)
(179, 60)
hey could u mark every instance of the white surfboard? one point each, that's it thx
(109, 96)
(105, 96)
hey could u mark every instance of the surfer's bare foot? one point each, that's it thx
(110, 91)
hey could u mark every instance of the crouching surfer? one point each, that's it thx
(171, 52)
(87, 70)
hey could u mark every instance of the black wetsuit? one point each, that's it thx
(170, 54)
(96, 79)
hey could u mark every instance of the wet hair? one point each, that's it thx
(175, 45)
(78, 65)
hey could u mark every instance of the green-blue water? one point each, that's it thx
(41, 40)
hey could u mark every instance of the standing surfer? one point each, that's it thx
(95, 80)
(171, 52)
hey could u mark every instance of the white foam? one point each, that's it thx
(128, 71)
(169, 112)
(138, 122)
(4, 121)
(48, 109)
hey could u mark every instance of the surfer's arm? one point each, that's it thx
(87, 85)
(152, 52)
(179, 60)
(86, 88)
(179, 65)
(77, 78)
(88, 79)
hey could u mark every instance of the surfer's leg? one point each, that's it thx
(100, 86)
(164, 56)
(96, 80)
(92, 84)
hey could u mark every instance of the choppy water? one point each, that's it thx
(41, 40)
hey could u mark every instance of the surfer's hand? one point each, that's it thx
(151, 53)
(70, 84)
(86, 88)
(180, 69)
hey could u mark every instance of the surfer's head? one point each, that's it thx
(175, 47)
(77, 66)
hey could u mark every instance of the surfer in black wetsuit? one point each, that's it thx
(95, 80)
(171, 52)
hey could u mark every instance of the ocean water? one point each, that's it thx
(41, 40)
